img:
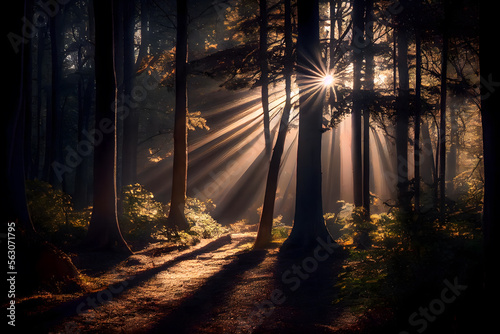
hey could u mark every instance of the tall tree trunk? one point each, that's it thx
(266, 219)
(369, 86)
(451, 163)
(308, 221)
(335, 21)
(55, 147)
(490, 102)
(104, 231)
(176, 217)
(16, 91)
(427, 156)
(264, 72)
(28, 86)
(39, 72)
(83, 169)
(402, 117)
(442, 126)
(131, 122)
(357, 44)
(418, 112)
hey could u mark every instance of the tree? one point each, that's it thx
(104, 231)
(55, 126)
(402, 111)
(418, 112)
(442, 122)
(369, 86)
(176, 217)
(266, 219)
(357, 44)
(308, 220)
(264, 72)
(131, 122)
(490, 102)
(17, 110)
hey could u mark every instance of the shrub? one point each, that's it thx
(279, 230)
(201, 223)
(52, 213)
(50, 208)
(142, 215)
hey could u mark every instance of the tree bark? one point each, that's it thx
(104, 231)
(369, 86)
(357, 45)
(131, 122)
(55, 147)
(264, 72)
(402, 117)
(442, 127)
(266, 219)
(16, 206)
(490, 102)
(309, 224)
(176, 217)
(418, 112)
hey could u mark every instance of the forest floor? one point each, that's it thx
(217, 286)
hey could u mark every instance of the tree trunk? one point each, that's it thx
(266, 219)
(335, 21)
(264, 72)
(104, 231)
(55, 147)
(39, 72)
(418, 112)
(83, 169)
(14, 123)
(442, 129)
(490, 100)
(357, 44)
(402, 118)
(176, 217)
(131, 122)
(81, 196)
(369, 86)
(309, 224)
(451, 163)
(427, 156)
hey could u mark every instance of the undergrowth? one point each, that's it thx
(141, 217)
(409, 255)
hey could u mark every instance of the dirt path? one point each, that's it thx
(217, 286)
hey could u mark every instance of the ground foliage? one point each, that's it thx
(410, 256)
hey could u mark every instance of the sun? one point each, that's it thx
(327, 80)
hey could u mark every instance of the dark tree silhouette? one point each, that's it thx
(264, 72)
(490, 102)
(266, 219)
(17, 109)
(104, 231)
(357, 44)
(131, 122)
(308, 220)
(176, 217)
(403, 110)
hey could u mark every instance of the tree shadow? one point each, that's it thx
(307, 282)
(57, 315)
(196, 308)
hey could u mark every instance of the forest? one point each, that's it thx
(250, 166)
